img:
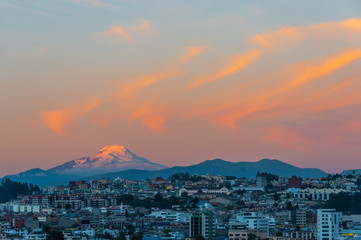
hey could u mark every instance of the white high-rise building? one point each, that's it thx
(253, 221)
(329, 224)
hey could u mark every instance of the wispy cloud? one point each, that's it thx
(25, 9)
(117, 30)
(291, 139)
(151, 115)
(234, 65)
(283, 92)
(128, 32)
(287, 35)
(60, 120)
(307, 137)
(170, 70)
(229, 115)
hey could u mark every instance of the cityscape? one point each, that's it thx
(180, 120)
(181, 205)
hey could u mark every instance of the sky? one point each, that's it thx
(180, 82)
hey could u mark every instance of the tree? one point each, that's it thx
(345, 203)
(195, 200)
(121, 236)
(289, 206)
(10, 190)
(137, 236)
(55, 235)
(184, 194)
(158, 197)
(131, 229)
(166, 232)
(251, 236)
(199, 237)
(276, 197)
(68, 206)
(46, 228)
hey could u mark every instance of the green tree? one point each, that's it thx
(289, 206)
(251, 236)
(167, 232)
(276, 197)
(130, 229)
(137, 236)
(199, 237)
(55, 235)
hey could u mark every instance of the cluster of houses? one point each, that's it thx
(210, 207)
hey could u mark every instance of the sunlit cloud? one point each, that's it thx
(192, 51)
(142, 27)
(129, 32)
(152, 116)
(291, 139)
(291, 34)
(171, 70)
(229, 115)
(235, 64)
(307, 137)
(118, 31)
(60, 120)
(283, 36)
(144, 81)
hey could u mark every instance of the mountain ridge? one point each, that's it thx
(108, 159)
(117, 161)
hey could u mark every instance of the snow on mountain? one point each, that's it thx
(108, 159)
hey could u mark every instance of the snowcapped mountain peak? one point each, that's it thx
(113, 150)
(108, 159)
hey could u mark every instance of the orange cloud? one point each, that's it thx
(352, 25)
(145, 81)
(235, 64)
(306, 136)
(192, 51)
(152, 116)
(174, 69)
(128, 32)
(231, 113)
(283, 36)
(117, 30)
(290, 35)
(143, 26)
(282, 136)
(59, 120)
(312, 72)
(353, 98)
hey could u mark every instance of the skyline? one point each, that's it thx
(180, 82)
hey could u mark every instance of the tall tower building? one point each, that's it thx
(202, 223)
(329, 224)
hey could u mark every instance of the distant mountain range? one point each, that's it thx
(108, 159)
(347, 172)
(222, 167)
(118, 161)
